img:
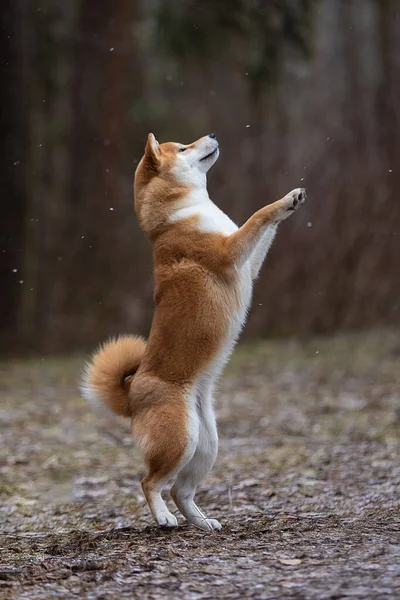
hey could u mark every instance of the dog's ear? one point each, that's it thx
(152, 153)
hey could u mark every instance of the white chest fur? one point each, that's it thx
(211, 218)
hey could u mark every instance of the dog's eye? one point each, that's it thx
(182, 149)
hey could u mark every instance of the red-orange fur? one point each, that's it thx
(111, 369)
(197, 291)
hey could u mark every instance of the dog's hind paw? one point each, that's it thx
(167, 520)
(214, 524)
(206, 524)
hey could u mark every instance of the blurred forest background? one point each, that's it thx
(299, 93)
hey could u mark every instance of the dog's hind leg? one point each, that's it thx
(153, 486)
(167, 435)
(197, 468)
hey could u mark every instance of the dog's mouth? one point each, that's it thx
(210, 154)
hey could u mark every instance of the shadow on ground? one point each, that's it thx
(306, 484)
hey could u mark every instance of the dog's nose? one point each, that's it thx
(212, 135)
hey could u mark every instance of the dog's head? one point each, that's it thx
(166, 175)
(186, 164)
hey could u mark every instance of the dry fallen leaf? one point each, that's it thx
(290, 561)
(20, 501)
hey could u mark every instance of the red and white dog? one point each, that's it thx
(204, 269)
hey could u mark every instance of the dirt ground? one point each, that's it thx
(306, 484)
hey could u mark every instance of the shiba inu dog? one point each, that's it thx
(204, 269)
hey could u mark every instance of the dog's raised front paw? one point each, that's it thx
(295, 198)
(289, 203)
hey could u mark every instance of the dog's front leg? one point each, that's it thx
(261, 250)
(243, 243)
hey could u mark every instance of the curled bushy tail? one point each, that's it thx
(105, 376)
